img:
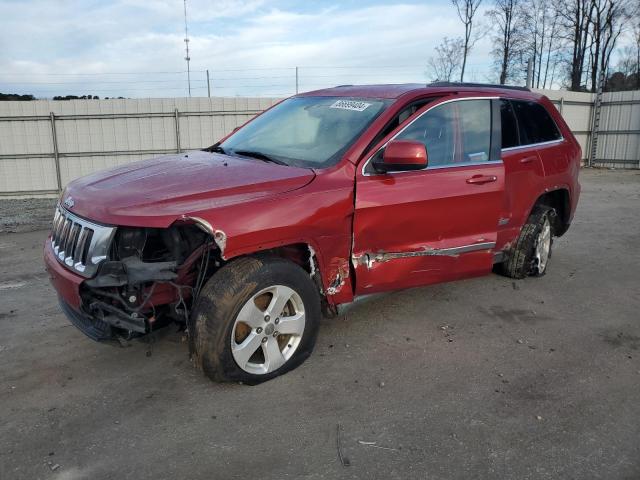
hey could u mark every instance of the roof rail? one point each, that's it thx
(477, 85)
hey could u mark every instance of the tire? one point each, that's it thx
(249, 289)
(525, 259)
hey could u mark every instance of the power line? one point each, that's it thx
(417, 66)
(95, 83)
(102, 73)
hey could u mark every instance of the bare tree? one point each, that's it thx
(627, 74)
(636, 45)
(627, 62)
(466, 11)
(541, 40)
(575, 17)
(446, 62)
(553, 50)
(506, 15)
(607, 23)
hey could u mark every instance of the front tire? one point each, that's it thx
(532, 251)
(255, 319)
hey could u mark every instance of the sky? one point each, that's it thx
(135, 48)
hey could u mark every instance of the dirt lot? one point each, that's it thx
(486, 378)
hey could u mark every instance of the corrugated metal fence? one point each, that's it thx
(618, 133)
(45, 144)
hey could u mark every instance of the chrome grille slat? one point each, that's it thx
(72, 243)
(58, 228)
(78, 243)
(77, 254)
(63, 238)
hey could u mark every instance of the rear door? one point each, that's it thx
(523, 171)
(440, 223)
(529, 138)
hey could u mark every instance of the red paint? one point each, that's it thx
(405, 152)
(260, 205)
(407, 211)
(67, 284)
(154, 193)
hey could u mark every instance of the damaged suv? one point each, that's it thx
(325, 197)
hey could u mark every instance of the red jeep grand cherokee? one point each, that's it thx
(325, 197)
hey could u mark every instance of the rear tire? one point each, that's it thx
(255, 319)
(532, 251)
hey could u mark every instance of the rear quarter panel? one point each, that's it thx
(562, 162)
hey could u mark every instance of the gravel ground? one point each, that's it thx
(486, 378)
(26, 215)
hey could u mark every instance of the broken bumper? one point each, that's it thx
(92, 327)
(67, 285)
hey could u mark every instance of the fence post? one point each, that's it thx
(595, 120)
(56, 154)
(561, 104)
(208, 85)
(177, 119)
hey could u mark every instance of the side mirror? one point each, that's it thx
(401, 156)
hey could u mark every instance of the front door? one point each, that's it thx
(437, 224)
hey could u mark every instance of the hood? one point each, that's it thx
(154, 192)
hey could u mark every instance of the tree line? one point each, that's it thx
(28, 97)
(568, 43)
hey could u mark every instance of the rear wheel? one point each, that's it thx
(255, 319)
(532, 251)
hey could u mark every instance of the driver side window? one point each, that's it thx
(454, 133)
(436, 129)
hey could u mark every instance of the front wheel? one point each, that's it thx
(532, 251)
(255, 319)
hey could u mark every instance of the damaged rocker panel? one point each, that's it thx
(369, 259)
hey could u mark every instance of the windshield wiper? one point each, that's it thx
(217, 149)
(259, 156)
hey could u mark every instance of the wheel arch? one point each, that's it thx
(560, 200)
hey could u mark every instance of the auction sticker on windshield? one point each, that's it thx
(351, 105)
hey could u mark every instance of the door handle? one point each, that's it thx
(481, 179)
(527, 159)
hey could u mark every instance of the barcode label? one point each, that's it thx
(350, 105)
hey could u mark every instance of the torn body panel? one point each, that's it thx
(368, 259)
(342, 272)
(424, 227)
(319, 216)
(149, 279)
(153, 274)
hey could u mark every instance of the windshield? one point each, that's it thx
(305, 131)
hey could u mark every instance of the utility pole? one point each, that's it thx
(208, 85)
(529, 73)
(186, 43)
(296, 80)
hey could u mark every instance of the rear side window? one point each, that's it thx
(509, 125)
(475, 129)
(535, 123)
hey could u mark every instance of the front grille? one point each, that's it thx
(79, 244)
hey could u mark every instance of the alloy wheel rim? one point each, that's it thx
(268, 329)
(543, 246)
